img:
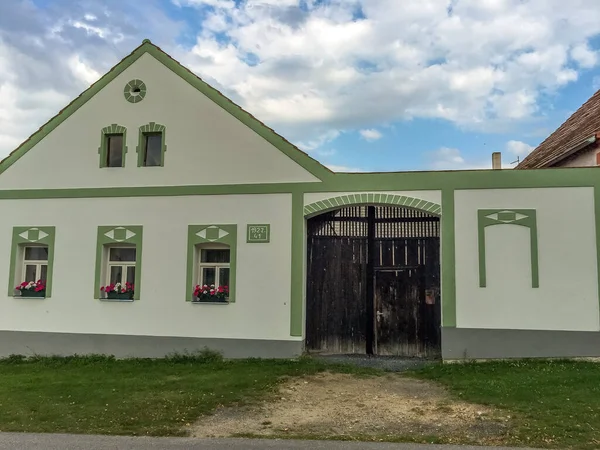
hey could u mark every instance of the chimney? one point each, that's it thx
(496, 160)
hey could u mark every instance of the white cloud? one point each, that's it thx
(371, 134)
(316, 143)
(518, 148)
(83, 71)
(316, 71)
(585, 57)
(485, 63)
(447, 159)
(337, 168)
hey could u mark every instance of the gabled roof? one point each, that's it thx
(575, 134)
(279, 142)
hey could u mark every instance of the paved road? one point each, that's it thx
(22, 441)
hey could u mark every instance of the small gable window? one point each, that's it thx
(112, 148)
(151, 148)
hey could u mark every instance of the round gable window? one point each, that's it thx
(135, 91)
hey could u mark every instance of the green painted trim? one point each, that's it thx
(152, 127)
(196, 238)
(298, 266)
(483, 179)
(485, 218)
(134, 235)
(373, 198)
(291, 151)
(128, 91)
(258, 233)
(103, 149)
(448, 260)
(18, 242)
(597, 218)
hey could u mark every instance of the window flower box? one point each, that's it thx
(116, 291)
(211, 294)
(35, 289)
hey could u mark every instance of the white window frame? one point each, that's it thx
(38, 263)
(123, 264)
(202, 265)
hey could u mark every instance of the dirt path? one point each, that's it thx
(344, 405)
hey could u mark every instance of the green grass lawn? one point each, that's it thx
(553, 403)
(133, 397)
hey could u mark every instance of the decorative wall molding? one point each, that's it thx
(522, 217)
(135, 91)
(258, 233)
(371, 198)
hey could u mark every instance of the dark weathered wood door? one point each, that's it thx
(405, 314)
(369, 259)
(335, 306)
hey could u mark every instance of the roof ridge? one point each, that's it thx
(536, 157)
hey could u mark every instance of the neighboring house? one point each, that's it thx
(574, 144)
(154, 180)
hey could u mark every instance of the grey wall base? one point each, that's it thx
(124, 346)
(473, 343)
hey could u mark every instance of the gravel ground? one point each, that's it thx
(389, 363)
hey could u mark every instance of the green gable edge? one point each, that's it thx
(279, 142)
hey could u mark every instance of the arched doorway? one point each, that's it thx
(373, 281)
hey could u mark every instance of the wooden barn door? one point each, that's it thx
(404, 318)
(373, 282)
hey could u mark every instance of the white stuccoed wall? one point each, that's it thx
(262, 307)
(567, 298)
(205, 144)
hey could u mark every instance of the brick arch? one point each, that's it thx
(341, 201)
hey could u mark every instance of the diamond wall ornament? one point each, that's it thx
(119, 234)
(33, 235)
(506, 216)
(212, 233)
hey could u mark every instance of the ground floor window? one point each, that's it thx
(214, 266)
(121, 265)
(118, 262)
(211, 263)
(31, 262)
(35, 263)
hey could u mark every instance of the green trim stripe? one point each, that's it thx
(597, 217)
(321, 206)
(448, 263)
(22, 237)
(298, 266)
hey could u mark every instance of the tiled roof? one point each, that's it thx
(582, 125)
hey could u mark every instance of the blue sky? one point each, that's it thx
(370, 85)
